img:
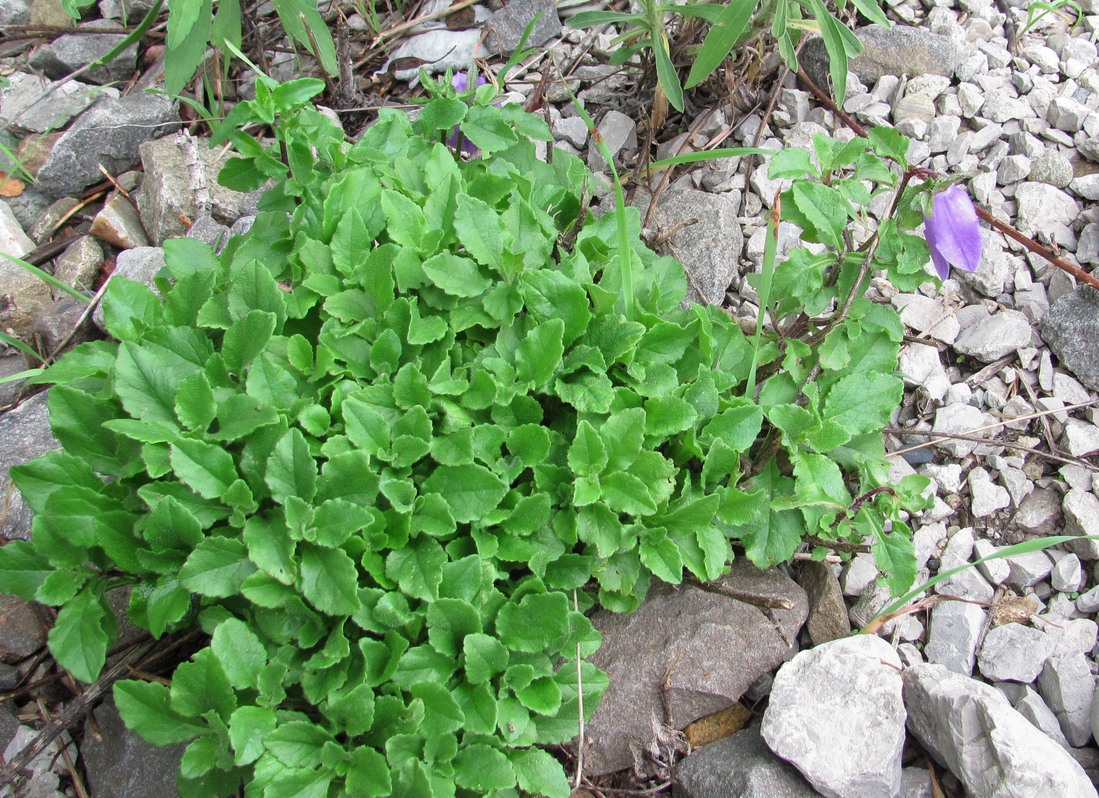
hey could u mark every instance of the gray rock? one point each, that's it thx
(827, 610)
(43, 768)
(572, 129)
(13, 241)
(1067, 573)
(108, 133)
(1080, 438)
(1028, 569)
(958, 419)
(971, 728)
(74, 51)
(1012, 169)
(849, 693)
(1086, 186)
(15, 12)
(994, 271)
(1031, 706)
(140, 264)
(24, 435)
(994, 336)
(213, 234)
(1052, 168)
(738, 766)
(1014, 652)
(987, 497)
(119, 763)
(80, 263)
(928, 315)
(858, 574)
(11, 363)
(1074, 636)
(619, 132)
(63, 322)
(995, 571)
(1041, 205)
(705, 648)
(24, 102)
(1081, 510)
(955, 629)
(22, 294)
(22, 631)
(920, 365)
(898, 50)
(1067, 685)
(181, 182)
(1066, 114)
(708, 249)
(1039, 513)
(506, 26)
(1070, 327)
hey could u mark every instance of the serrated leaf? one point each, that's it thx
(539, 354)
(145, 708)
(483, 768)
(456, 275)
(247, 727)
(196, 406)
(441, 712)
(129, 308)
(79, 638)
(368, 774)
(664, 559)
(485, 656)
(207, 469)
(625, 493)
(216, 568)
(587, 454)
(449, 622)
(535, 623)
(246, 338)
(239, 651)
(863, 402)
(329, 579)
(538, 773)
(291, 470)
(23, 568)
(471, 490)
(147, 379)
(478, 229)
(550, 294)
(297, 743)
(418, 568)
(201, 686)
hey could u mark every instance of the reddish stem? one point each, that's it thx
(1002, 227)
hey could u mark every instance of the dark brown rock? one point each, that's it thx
(21, 630)
(827, 611)
(685, 653)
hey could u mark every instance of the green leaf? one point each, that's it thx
(166, 603)
(478, 229)
(216, 568)
(23, 569)
(862, 402)
(664, 559)
(471, 490)
(535, 623)
(147, 379)
(145, 708)
(791, 163)
(456, 275)
(207, 469)
(542, 696)
(297, 743)
(449, 621)
(441, 712)
(485, 656)
(667, 415)
(487, 129)
(539, 773)
(482, 768)
(405, 219)
(291, 470)
(588, 393)
(79, 637)
(737, 426)
(722, 37)
(201, 686)
(329, 579)
(368, 774)
(587, 454)
(196, 406)
(823, 208)
(129, 308)
(418, 567)
(182, 58)
(247, 728)
(442, 113)
(246, 338)
(550, 294)
(625, 493)
(539, 354)
(239, 651)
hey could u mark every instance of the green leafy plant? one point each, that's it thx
(733, 25)
(390, 446)
(1037, 10)
(195, 25)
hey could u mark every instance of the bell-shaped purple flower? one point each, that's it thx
(953, 232)
(460, 81)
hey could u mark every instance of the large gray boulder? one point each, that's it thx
(971, 728)
(1071, 328)
(836, 715)
(898, 50)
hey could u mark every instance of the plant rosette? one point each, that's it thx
(389, 447)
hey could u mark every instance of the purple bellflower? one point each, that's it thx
(460, 81)
(953, 232)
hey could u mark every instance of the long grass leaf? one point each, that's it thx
(721, 39)
(708, 155)
(1026, 547)
(22, 347)
(20, 375)
(588, 19)
(45, 277)
(665, 72)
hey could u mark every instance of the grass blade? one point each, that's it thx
(45, 277)
(22, 347)
(721, 39)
